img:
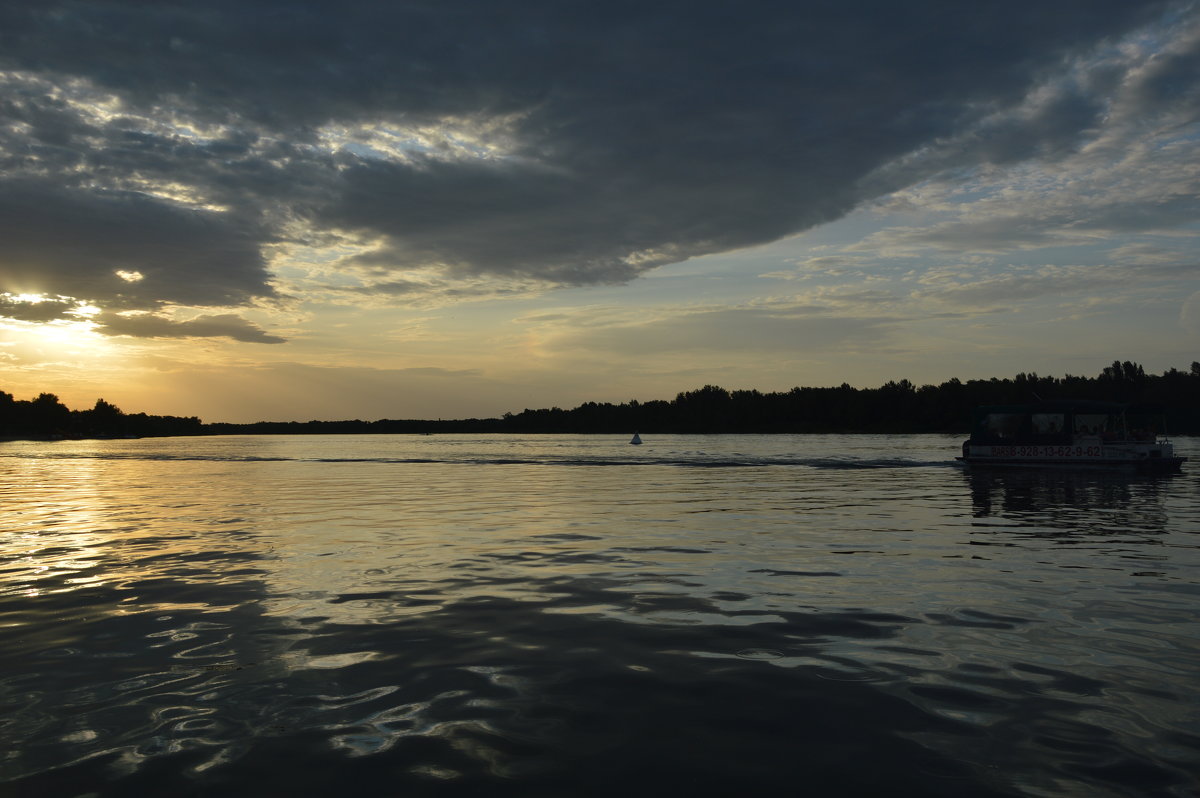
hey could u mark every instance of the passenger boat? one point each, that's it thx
(1076, 434)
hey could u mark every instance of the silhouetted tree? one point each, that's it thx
(104, 419)
(48, 416)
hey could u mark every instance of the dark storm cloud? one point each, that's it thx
(73, 243)
(633, 135)
(148, 325)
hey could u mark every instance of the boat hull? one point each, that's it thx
(1159, 465)
(1138, 457)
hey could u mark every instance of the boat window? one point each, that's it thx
(1091, 423)
(1002, 425)
(1144, 426)
(1048, 423)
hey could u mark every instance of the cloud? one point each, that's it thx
(1100, 283)
(430, 292)
(1189, 315)
(1149, 188)
(561, 142)
(732, 330)
(85, 244)
(148, 325)
(12, 307)
(1153, 255)
(839, 265)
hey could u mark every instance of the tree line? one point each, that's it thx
(895, 407)
(46, 417)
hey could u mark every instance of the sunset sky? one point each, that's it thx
(254, 209)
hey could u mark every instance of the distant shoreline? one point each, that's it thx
(893, 408)
(622, 435)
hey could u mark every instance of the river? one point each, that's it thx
(558, 615)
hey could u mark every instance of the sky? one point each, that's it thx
(289, 210)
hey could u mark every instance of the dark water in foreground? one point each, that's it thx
(559, 616)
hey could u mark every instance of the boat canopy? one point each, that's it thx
(1062, 421)
(1075, 406)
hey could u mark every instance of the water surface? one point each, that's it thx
(571, 615)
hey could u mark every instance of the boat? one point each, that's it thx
(1075, 434)
(637, 440)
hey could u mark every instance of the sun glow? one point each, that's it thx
(61, 340)
(65, 333)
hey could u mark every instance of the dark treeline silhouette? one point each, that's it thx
(896, 407)
(47, 417)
